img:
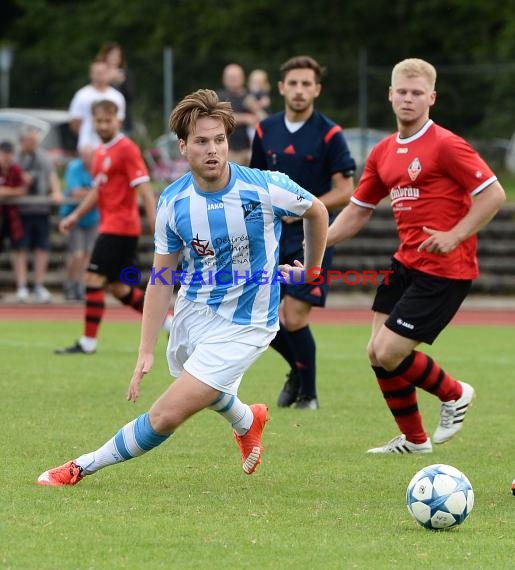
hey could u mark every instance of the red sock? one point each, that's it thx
(422, 371)
(401, 399)
(94, 311)
(134, 299)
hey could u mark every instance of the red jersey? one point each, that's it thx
(13, 177)
(118, 168)
(430, 178)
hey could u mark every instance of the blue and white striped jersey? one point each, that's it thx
(229, 241)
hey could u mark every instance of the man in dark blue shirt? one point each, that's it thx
(310, 149)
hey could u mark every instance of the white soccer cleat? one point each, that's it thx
(452, 415)
(400, 444)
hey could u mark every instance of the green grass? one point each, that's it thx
(317, 501)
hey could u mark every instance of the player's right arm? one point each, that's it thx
(157, 302)
(87, 204)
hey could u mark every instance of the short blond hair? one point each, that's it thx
(201, 103)
(413, 67)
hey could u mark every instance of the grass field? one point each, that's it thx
(317, 500)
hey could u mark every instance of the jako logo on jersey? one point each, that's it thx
(215, 206)
(402, 150)
(414, 169)
(405, 324)
(201, 246)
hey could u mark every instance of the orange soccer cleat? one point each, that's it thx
(68, 474)
(250, 443)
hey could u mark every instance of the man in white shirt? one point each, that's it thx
(80, 106)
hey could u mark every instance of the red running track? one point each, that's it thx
(115, 313)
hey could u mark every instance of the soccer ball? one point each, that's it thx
(439, 497)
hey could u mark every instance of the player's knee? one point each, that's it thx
(295, 322)
(372, 358)
(385, 356)
(162, 420)
(119, 290)
(93, 280)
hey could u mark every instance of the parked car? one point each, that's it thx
(54, 127)
(361, 142)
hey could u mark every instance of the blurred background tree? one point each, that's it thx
(471, 43)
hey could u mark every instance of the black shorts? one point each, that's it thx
(314, 294)
(419, 305)
(111, 254)
(36, 233)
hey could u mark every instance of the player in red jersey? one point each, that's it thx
(119, 174)
(442, 193)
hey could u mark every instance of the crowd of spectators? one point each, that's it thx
(31, 189)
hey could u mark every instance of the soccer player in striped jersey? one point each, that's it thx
(224, 220)
(311, 149)
(442, 193)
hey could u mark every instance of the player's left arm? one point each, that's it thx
(258, 156)
(342, 166)
(316, 220)
(484, 207)
(340, 193)
(149, 203)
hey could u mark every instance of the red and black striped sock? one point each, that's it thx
(422, 371)
(134, 298)
(401, 399)
(94, 310)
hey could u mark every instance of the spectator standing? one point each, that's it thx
(78, 183)
(12, 185)
(119, 173)
(442, 193)
(220, 326)
(43, 191)
(80, 106)
(311, 149)
(245, 112)
(120, 77)
(259, 97)
(259, 88)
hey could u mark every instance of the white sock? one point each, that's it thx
(238, 414)
(88, 343)
(134, 439)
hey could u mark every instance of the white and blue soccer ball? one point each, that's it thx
(439, 497)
